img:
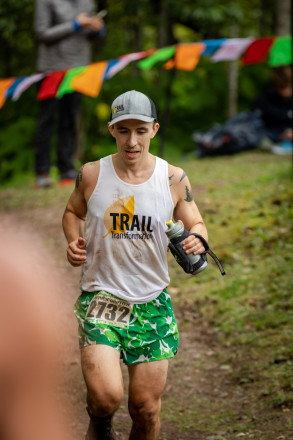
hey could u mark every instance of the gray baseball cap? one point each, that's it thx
(133, 105)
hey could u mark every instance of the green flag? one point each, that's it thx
(65, 86)
(281, 52)
(160, 55)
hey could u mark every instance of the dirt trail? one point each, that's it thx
(202, 401)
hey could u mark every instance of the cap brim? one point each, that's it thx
(125, 117)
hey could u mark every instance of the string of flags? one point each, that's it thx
(88, 79)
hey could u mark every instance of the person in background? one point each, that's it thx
(275, 105)
(64, 29)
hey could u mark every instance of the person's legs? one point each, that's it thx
(67, 131)
(102, 373)
(48, 109)
(147, 382)
(103, 378)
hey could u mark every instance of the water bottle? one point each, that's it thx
(177, 234)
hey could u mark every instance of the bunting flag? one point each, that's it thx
(89, 79)
(4, 86)
(25, 84)
(113, 66)
(231, 49)
(212, 45)
(13, 86)
(116, 65)
(281, 52)
(159, 55)
(50, 85)
(66, 86)
(186, 57)
(257, 51)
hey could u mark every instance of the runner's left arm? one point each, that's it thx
(187, 211)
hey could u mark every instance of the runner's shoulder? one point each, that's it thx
(176, 175)
(88, 174)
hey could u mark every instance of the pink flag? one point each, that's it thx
(124, 60)
(231, 49)
(25, 84)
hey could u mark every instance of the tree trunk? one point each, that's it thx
(165, 38)
(233, 79)
(283, 14)
(283, 23)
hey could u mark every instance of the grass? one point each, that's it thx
(246, 202)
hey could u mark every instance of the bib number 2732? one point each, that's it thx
(108, 310)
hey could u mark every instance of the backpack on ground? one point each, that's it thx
(240, 133)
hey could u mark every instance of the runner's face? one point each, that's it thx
(133, 138)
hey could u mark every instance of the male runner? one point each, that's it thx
(124, 309)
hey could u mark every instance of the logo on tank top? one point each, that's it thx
(121, 222)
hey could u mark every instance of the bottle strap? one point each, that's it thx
(210, 252)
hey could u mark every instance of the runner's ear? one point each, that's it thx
(111, 129)
(156, 127)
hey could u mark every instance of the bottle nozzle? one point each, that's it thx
(169, 222)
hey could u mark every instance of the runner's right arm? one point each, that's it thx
(75, 212)
(73, 223)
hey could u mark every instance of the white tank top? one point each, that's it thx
(125, 233)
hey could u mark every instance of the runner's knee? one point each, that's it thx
(145, 411)
(104, 404)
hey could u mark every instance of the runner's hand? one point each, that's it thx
(193, 245)
(76, 252)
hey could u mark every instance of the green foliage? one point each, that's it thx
(16, 155)
(17, 50)
(199, 98)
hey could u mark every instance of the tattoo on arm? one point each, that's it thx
(189, 195)
(182, 177)
(170, 178)
(79, 177)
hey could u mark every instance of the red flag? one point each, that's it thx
(257, 51)
(50, 85)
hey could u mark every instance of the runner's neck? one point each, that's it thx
(135, 173)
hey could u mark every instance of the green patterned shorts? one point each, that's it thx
(141, 332)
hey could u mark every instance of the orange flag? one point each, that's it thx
(4, 85)
(90, 81)
(186, 56)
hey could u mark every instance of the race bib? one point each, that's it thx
(108, 310)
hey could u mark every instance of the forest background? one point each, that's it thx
(186, 101)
